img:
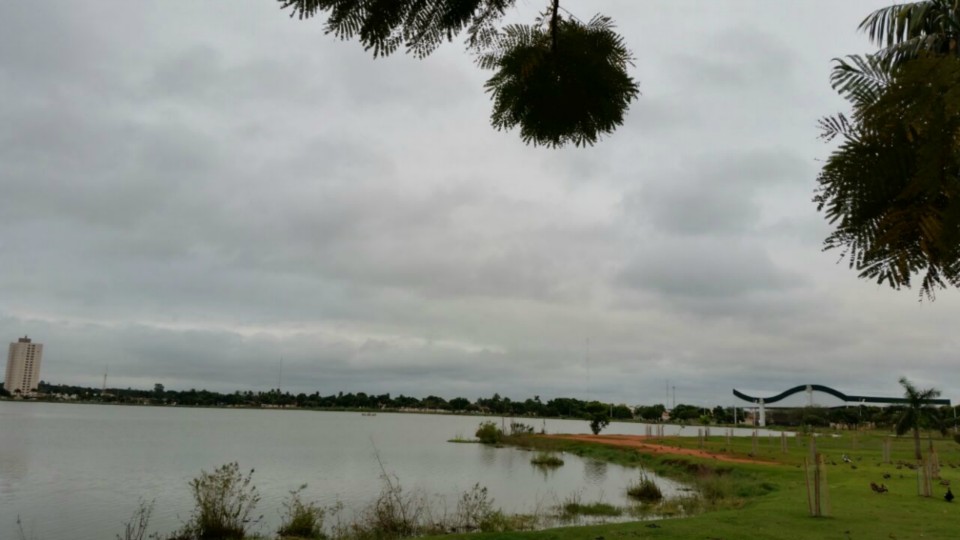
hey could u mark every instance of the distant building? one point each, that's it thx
(23, 367)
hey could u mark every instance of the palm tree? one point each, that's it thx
(917, 409)
(905, 31)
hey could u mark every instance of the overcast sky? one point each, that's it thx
(192, 191)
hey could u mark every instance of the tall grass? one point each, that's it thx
(302, 520)
(645, 489)
(225, 503)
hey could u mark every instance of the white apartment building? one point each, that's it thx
(23, 367)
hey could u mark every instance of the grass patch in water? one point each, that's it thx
(544, 459)
(592, 509)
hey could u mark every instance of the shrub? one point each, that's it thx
(519, 428)
(302, 520)
(489, 433)
(394, 514)
(225, 502)
(644, 490)
(474, 509)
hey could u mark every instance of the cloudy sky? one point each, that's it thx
(192, 191)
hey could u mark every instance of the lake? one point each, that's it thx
(72, 471)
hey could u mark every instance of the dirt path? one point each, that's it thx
(641, 443)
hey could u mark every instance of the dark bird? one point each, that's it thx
(878, 489)
(948, 496)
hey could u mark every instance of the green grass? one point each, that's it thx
(645, 490)
(754, 501)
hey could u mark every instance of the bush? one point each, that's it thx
(489, 433)
(645, 490)
(474, 509)
(394, 514)
(302, 520)
(225, 502)
(598, 423)
(519, 428)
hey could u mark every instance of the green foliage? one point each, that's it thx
(561, 81)
(622, 412)
(562, 84)
(475, 509)
(545, 459)
(599, 416)
(419, 26)
(575, 508)
(394, 514)
(650, 412)
(891, 188)
(520, 429)
(597, 423)
(685, 413)
(644, 489)
(225, 501)
(489, 433)
(905, 31)
(302, 520)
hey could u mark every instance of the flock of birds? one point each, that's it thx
(882, 488)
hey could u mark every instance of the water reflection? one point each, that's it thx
(14, 463)
(595, 472)
(488, 455)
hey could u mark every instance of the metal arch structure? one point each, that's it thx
(762, 402)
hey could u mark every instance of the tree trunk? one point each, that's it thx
(916, 442)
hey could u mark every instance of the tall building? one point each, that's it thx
(23, 367)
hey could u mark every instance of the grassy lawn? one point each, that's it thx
(768, 501)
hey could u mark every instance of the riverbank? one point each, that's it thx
(779, 509)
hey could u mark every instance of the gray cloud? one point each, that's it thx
(189, 192)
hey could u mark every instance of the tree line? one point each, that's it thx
(853, 416)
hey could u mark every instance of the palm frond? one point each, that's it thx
(905, 31)
(860, 79)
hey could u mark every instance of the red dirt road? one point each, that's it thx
(641, 443)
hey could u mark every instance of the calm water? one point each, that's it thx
(77, 471)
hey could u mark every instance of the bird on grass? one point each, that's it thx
(948, 496)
